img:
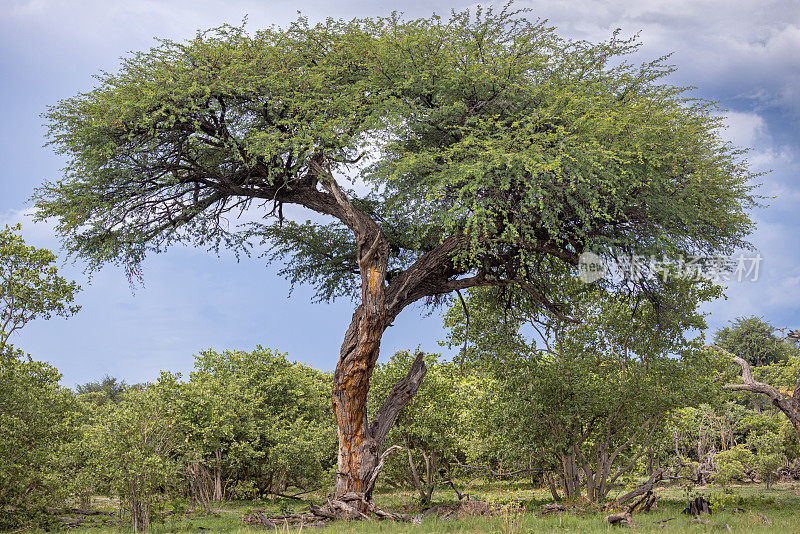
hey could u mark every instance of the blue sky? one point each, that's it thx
(745, 54)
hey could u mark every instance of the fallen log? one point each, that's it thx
(266, 522)
(625, 519)
(347, 506)
(553, 507)
(649, 503)
(70, 521)
(647, 487)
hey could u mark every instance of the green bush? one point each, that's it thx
(36, 423)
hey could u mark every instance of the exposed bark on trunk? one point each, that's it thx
(570, 476)
(433, 273)
(360, 443)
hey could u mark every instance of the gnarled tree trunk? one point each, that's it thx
(361, 441)
(433, 273)
(361, 452)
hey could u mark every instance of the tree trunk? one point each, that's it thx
(552, 485)
(591, 481)
(360, 442)
(413, 470)
(570, 477)
(358, 451)
(218, 476)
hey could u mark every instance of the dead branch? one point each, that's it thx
(645, 488)
(625, 519)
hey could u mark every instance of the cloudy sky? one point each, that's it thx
(745, 54)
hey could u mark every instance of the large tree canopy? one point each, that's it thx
(479, 150)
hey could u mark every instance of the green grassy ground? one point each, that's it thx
(743, 511)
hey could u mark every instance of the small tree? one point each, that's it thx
(591, 396)
(754, 340)
(35, 411)
(36, 422)
(768, 455)
(107, 389)
(133, 448)
(251, 415)
(30, 286)
(732, 464)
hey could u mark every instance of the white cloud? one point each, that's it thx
(769, 157)
(743, 129)
(749, 46)
(40, 233)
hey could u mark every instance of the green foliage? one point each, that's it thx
(232, 103)
(30, 286)
(36, 413)
(434, 428)
(768, 455)
(591, 396)
(754, 340)
(36, 423)
(515, 133)
(783, 374)
(790, 444)
(107, 389)
(485, 126)
(132, 448)
(732, 464)
(250, 415)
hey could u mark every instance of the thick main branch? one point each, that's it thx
(790, 406)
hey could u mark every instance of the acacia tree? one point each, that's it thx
(754, 340)
(491, 148)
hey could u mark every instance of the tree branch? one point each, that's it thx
(398, 397)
